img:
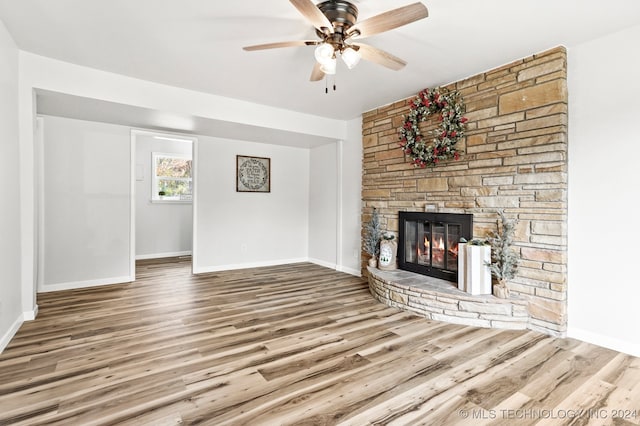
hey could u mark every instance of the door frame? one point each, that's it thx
(132, 218)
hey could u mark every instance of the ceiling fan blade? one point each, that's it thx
(389, 20)
(314, 15)
(380, 57)
(281, 44)
(316, 74)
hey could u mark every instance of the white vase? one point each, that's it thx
(478, 273)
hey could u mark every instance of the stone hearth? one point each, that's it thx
(440, 300)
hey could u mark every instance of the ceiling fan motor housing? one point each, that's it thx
(342, 14)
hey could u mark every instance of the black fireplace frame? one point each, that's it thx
(466, 230)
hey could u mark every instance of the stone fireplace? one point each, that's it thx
(515, 159)
(428, 242)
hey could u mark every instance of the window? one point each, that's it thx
(171, 177)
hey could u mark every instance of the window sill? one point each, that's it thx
(171, 201)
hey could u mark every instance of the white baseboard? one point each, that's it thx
(349, 271)
(30, 315)
(207, 269)
(46, 288)
(6, 338)
(626, 347)
(163, 255)
(338, 268)
(323, 263)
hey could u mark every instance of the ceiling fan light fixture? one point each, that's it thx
(329, 67)
(324, 53)
(350, 57)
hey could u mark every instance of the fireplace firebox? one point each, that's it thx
(429, 242)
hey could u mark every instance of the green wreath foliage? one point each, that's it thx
(450, 107)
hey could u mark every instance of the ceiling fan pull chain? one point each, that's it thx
(326, 84)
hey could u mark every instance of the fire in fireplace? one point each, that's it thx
(429, 242)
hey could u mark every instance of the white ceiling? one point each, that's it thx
(197, 44)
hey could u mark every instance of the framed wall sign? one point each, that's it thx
(253, 174)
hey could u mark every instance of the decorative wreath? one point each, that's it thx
(451, 108)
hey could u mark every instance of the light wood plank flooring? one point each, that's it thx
(296, 344)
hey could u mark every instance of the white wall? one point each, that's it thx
(350, 165)
(162, 229)
(604, 188)
(238, 230)
(87, 189)
(323, 202)
(335, 202)
(86, 226)
(10, 290)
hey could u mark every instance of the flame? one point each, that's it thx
(426, 248)
(439, 244)
(436, 253)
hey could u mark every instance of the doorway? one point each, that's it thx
(162, 203)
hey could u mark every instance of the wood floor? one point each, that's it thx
(296, 344)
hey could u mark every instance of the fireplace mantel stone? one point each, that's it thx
(440, 300)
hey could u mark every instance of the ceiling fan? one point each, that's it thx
(336, 25)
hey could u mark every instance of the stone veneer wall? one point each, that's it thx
(515, 159)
